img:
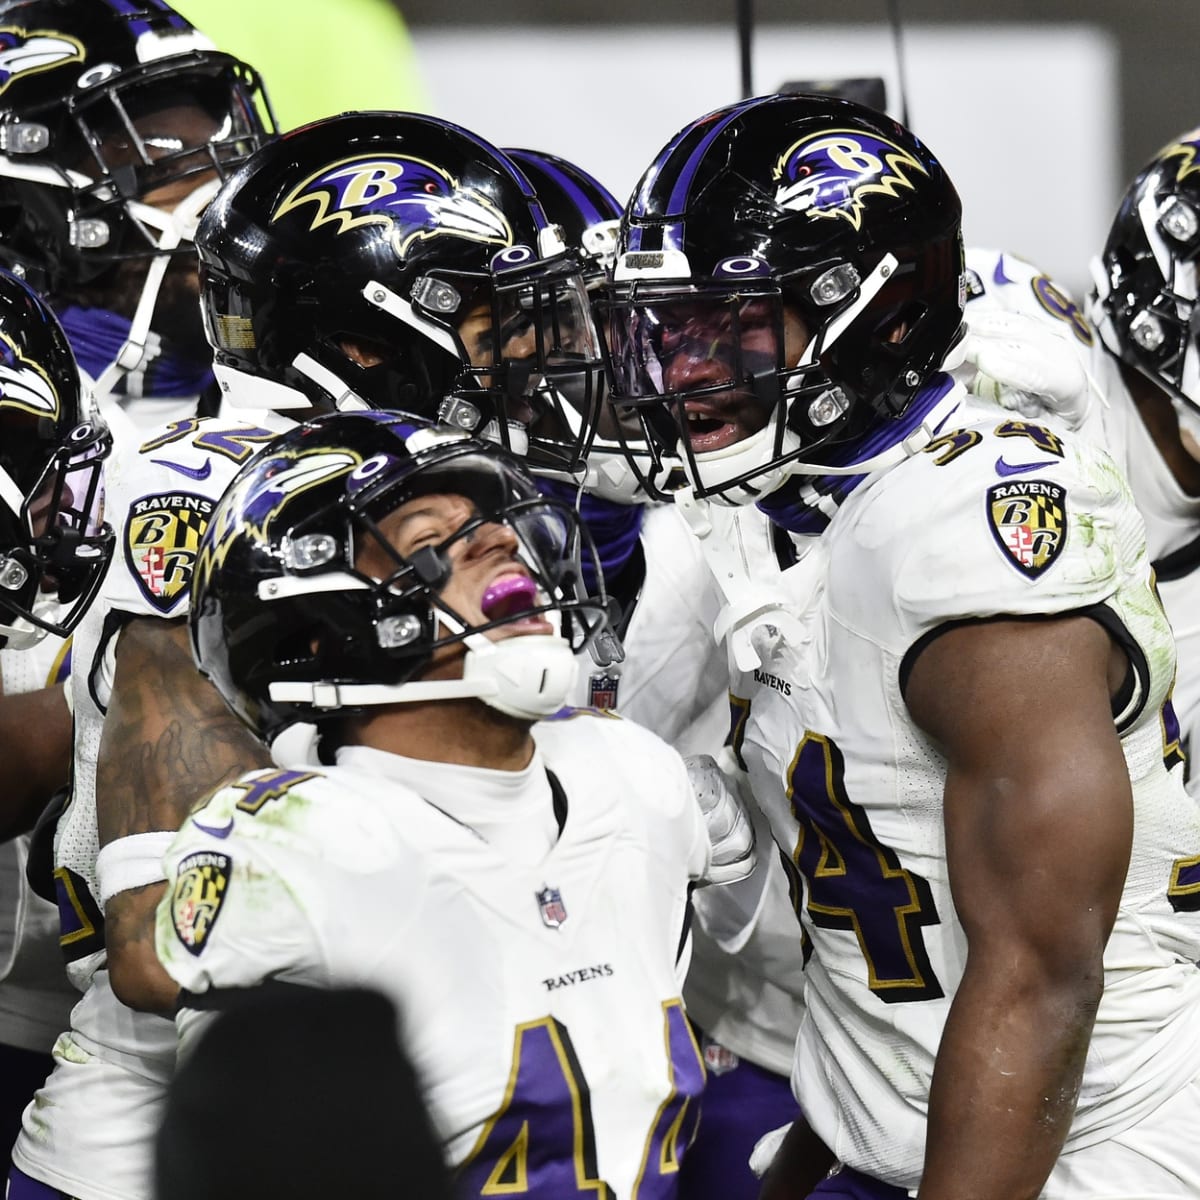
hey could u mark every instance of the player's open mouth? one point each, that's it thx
(712, 427)
(509, 595)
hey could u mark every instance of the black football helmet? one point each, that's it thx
(415, 241)
(801, 257)
(290, 630)
(77, 80)
(1146, 283)
(54, 546)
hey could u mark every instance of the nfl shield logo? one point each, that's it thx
(604, 691)
(553, 911)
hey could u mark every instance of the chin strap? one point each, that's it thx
(175, 227)
(528, 677)
(751, 599)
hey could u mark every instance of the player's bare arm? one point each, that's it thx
(1039, 823)
(168, 741)
(34, 767)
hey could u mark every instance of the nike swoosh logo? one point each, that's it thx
(191, 472)
(1003, 468)
(222, 832)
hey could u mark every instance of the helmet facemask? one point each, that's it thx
(60, 543)
(750, 370)
(532, 369)
(164, 127)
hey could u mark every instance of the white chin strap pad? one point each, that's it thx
(529, 676)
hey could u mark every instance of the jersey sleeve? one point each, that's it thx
(1001, 518)
(164, 489)
(235, 912)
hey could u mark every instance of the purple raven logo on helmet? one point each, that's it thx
(416, 198)
(832, 173)
(1185, 149)
(25, 53)
(24, 385)
(256, 498)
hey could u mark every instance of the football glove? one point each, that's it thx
(730, 830)
(1028, 365)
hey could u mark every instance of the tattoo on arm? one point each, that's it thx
(168, 738)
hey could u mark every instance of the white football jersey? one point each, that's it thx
(745, 987)
(998, 516)
(547, 985)
(88, 1131)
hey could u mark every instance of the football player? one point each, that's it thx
(120, 120)
(397, 261)
(53, 552)
(959, 727)
(513, 874)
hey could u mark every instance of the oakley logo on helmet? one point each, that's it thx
(1185, 150)
(418, 199)
(831, 174)
(23, 53)
(24, 385)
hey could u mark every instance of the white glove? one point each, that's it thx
(1027, 364)
(765, 1149)
(730, 830)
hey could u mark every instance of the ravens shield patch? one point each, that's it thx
(1028, 519)
(162, 536)
(200, 890)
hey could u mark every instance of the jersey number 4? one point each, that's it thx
(541, 1143)
(853, 881)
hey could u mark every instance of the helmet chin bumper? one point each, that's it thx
(745, 471)
(529, 677)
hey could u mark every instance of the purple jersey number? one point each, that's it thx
(541, 1143)
(853, 881)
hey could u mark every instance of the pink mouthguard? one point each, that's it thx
(508, 595)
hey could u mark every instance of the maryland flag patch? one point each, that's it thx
(199, 893)
(1028, 519)
(162, 536)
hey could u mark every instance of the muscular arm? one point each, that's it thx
(34, 768)
(168, 741)
(1039, 824)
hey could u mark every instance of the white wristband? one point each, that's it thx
(131, 862)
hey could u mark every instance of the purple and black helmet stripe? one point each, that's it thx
(584, 203)
(685, 176)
